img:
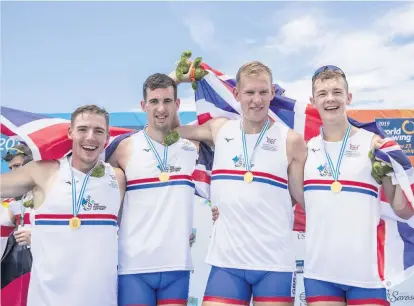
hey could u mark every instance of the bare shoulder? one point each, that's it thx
(296, 145)
(294, 138)
(217, 123)
(215, 126)
(121, 153)
(120, 175)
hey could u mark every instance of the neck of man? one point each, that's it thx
(81, 166)
(251, 127)
(335, 131)
(157, 134)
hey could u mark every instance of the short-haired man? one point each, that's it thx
(154, 253)
(20, 209)
(77, 200)
(251, 250)
(343, 203)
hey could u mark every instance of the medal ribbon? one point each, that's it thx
(161, 163)
(335, 171)
(247, 164)
(76, 203)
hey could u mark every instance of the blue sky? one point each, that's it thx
(57, 56)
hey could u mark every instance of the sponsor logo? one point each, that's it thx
(172, 168)
(228, 139)
(293, 286)
(302, 297)
(301, 235)
(299, 266)
(401, 130)
(270, 144)
(89, 204)
(324, 170)
(401, 297)
(188, 146)
(270, 140)
(114, 182)
(147, 150)
(352, 151)
(239, 161)
(315, 150)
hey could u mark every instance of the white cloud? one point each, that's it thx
(380, 71)
(201, 30)
(376, 56)
(295, 35)
(398, 22)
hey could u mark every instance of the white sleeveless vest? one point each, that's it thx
(341, 228)
(76, 266)
(157, 217)
(255, 225)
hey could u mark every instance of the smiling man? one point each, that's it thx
(154, 251)
(74, 245)
(251, 250)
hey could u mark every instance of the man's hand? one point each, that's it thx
(380, 169)
(23, 236)
(192, 239)
(215, 213)
(188, 71)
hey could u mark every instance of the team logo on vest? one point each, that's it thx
(239, 161)
(89, 204)
(188, 146)
(269, 144)
(352, 151)
(172, 168)
(114, 182)
(324, 170)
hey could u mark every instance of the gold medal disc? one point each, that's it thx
(164, 177)
(336, 187)
(75, 222)
(248, 177)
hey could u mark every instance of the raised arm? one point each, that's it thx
(297, 153)
(16, 183)
(206, 132)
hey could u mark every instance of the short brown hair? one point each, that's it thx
(253, 68)
(159, 80)
(91, 109)
(329, 75)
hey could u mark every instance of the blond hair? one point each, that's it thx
(329, 75)
(253, 68)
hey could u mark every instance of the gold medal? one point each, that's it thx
(336, 187)
(248, 177)
(164, 177)
(75, 222)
